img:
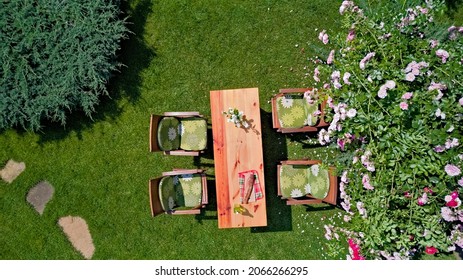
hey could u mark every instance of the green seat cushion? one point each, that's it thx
(167, 193)
(188, 189)
(294, 112)
(168, 134)
(294, 180)
(319, 181)
(193, 134)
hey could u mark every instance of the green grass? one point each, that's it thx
(179, 51)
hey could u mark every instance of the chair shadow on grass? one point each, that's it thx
(135, 56)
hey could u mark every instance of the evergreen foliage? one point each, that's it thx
(56, 57)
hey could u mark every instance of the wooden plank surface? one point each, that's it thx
(237, 150)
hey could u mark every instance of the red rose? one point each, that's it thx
(452, 203)
(430, 250)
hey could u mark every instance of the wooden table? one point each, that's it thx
(237, 150)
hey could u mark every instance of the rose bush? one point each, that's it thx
(394, 86)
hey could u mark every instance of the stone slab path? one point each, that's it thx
(39, 195)
(12, 170)
(77, 232)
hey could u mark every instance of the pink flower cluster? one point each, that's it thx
(351, 35)
(345, 6)
(453, 200)
(450, 214)
(433, 43)
(362, 210)
(366, 182)
(346, 76)
(330, 58)
(449, 144)
(382, 92)
(454, 30)
(330, 233)
(406, 96)
(413, 69)
(316, 73)
(366, 59)
(335, 76)
(367, 163)
(423, 199)
(411, 16)
(323, 36)
(452, 170)
(354, 250)
(443, 55)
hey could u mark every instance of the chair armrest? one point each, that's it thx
(182, 114)
(301, 129)
(186, 212)
(301, 162)
(294, 90)
(182, 172)
(182, 153)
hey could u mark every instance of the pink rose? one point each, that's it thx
(410, 77)
(407, 95)
(330, 57)
(350, 35)
(403, 105)
(452, 170)
(443, 55)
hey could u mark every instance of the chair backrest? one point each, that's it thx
(307, 128)
(155, 203)
(154, 121)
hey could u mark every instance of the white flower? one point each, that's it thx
(287, 102)
(308, 188)
(315, 169)
(346, 77)
(296, 193)
(452, 170)
(351, 113)
(172, 133)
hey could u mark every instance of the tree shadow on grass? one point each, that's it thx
(453, 6)
(135, 55)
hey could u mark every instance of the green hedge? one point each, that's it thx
(56, 57)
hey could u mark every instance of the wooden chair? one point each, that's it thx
(178, 133)
(306, 182)
(292, 113)
(178, 192)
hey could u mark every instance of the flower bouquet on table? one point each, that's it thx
(237, 117)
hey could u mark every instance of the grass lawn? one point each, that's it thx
(178, 52)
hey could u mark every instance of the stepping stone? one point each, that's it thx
(77, 232)
(39, 196)
(12, 170)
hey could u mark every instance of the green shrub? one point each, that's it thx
(56, 57)
(396, 105)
